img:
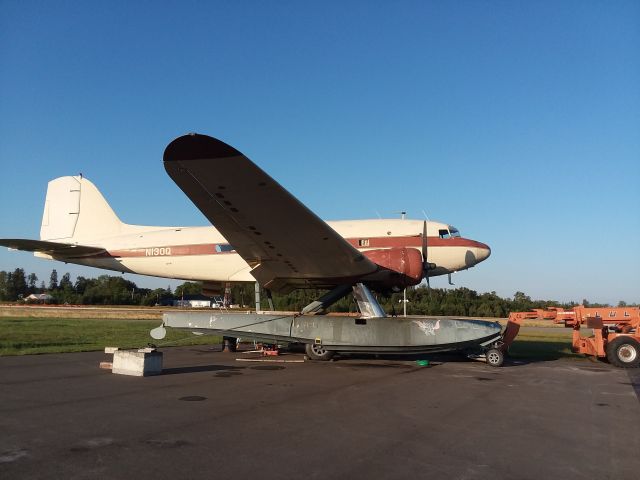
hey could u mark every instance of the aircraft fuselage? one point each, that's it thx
(203, 254)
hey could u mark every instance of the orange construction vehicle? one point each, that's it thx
(609, 315)
(616, 331)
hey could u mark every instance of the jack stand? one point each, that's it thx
(229, 344)
(269, 298)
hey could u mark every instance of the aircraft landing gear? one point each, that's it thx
(315, 351)
(495, 357)
(492, 354)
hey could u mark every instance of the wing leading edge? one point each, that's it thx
(287, 245)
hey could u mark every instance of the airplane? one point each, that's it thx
(260, 233)
(265, 235)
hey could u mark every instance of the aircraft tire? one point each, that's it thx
(624, 352)
(316, 351)
(495, 357)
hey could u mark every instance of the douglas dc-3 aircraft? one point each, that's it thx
(261, 233)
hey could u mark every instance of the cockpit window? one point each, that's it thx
(451, 232)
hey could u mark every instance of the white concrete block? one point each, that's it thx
(140, 364)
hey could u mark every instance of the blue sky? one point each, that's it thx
(517, 122)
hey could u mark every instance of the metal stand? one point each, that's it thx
(367, 303)
(269, 298)
(257, 293)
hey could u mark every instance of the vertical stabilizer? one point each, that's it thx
(75, 211)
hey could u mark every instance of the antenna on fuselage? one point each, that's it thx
(403, 214)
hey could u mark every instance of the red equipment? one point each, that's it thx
(616, 331)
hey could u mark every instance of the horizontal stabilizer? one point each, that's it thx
(54, 249)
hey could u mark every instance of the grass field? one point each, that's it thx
(82, 312)
(24, 336)
(541, 343)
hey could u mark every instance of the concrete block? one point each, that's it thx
(136, 363)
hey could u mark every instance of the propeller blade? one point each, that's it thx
(425, 253)
(426, 266)
(424, 243)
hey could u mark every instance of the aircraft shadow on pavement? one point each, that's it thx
(201, 368)
(523, 354)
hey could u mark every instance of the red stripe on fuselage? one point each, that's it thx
(415, 241)
(210, 249)
(166, 251)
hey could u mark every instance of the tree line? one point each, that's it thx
(116, 290)
(421, 300)
(104, 290)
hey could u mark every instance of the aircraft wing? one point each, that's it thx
(287, 245)
(55, 249)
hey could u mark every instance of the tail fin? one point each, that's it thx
(75, 211)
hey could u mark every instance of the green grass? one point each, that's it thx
(23, 336)
(543, 344)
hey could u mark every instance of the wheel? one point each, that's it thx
(315, 351)
(624, 352)
(495, 357)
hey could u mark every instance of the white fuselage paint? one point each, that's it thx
(189, 253)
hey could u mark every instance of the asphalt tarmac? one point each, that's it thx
(210, 416)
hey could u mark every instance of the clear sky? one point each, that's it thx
(517, 122)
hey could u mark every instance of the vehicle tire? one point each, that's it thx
(315, 351)
(495, 357)
(624, 352)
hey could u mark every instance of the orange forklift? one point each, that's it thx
(616, 331)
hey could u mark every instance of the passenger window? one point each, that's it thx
(363, 242)
(224, 248)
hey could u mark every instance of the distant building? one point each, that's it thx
(193, 301)
(39, 298)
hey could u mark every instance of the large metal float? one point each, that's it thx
(371, 332)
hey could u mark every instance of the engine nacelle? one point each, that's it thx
(406, 263)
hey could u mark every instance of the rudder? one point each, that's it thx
(76, 211)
